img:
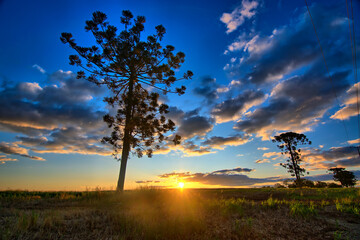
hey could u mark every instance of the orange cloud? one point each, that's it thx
(14, 149)
(350, 108)
(4, 159)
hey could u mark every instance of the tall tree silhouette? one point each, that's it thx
(133, 69)
(346, 178)
(288, 145)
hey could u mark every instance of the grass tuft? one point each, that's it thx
(302, 210)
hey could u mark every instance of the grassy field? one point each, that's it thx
(262, 213)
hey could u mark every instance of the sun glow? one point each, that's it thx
(181, 185)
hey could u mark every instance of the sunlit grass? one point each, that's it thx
(303, 210)
(153, 213)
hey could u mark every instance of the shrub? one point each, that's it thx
(307, 183)
(302, 183)
(334, 185)
(320, 184)
(278, 185)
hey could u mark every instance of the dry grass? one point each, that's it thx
(189, 214)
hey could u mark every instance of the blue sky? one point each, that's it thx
(258, 72)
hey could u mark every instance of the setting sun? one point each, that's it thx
(181, 185)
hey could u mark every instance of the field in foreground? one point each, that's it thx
(265, 213)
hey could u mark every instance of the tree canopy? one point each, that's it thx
(346, 178)
(288, 143)
(135, 69)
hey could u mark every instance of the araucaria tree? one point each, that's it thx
(346, 178)
(288, 143)
(135, 69)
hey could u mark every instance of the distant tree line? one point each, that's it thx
(307, 184)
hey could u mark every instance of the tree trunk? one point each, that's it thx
(124, 158)
(294, 164)
(127, 137)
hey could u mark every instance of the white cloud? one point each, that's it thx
(237, 17)
(39, 68)
(235, 82)
(222, 89)
(237, 45)
(30, 88)
(254, 45)
(248, 7)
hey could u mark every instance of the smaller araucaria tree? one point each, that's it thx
(346, 178)
(288, 143)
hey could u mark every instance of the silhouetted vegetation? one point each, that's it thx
(302, 183)
(334, 185)
(132, 69)
(346, 178)
(288, 145)
(278, 185)
(307, 184)
(320, 184)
